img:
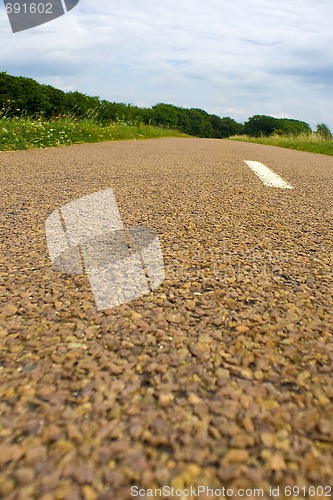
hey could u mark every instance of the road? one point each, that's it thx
(220, 377)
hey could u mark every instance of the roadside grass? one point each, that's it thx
(27, 133)
(310, 143)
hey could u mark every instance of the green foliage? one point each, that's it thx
(164, 115)
(78, 104)
(24, 95)
(260, 126)
(225, 127)
(265, 126)
(292, 127)
(26, 132)
(200, 124)
(21, 96)
(323, 132)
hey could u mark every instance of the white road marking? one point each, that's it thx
(268, 177)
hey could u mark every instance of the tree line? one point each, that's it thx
(24, 96)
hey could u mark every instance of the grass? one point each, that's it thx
(27, 133)
(312, 143)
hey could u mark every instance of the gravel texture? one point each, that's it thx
(220, 377)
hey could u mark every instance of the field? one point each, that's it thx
(27, 133)
(311, 143)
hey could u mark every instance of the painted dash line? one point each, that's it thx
(268, 177)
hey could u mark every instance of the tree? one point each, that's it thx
(200, 125)
(288, 126)
(260, 125)
(165, 115)
(324, 132)
(184, 122)
(225, 127)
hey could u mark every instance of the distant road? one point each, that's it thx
(222, 376)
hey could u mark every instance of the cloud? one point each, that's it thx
(237, 59)
(261, 44)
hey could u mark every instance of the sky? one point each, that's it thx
(231, 58)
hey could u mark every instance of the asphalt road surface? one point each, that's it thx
(221, 377)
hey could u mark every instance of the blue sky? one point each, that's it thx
(233, 59)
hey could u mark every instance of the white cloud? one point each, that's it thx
(230, 58)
